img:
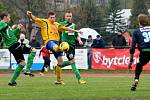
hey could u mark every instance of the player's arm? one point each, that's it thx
(38, 21)
(79, 40)
(3, 26)
(132, 50)
(40, 51)
(30, 15)
(63, 28)
(78, 37)
(72, 30)
(17, 28)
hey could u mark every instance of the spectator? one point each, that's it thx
(88, 42)
(119, 41)
(98, 42)
(46, 57)
(34, 42)
(23, 40)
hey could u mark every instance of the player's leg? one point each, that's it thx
(46, 64)
(58, 69)
(17, 73)
(17, 53)
(53, 46)
(32, 53)
(143, 59)
(42, 71)
(70, 55)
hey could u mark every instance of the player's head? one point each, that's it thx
(5, 16)
(143, 19)
(68, 16)
(22, 36)
(51, 16)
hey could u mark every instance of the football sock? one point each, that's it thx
(17, 72)
(76, 71)
(30, 60)
(58, 73)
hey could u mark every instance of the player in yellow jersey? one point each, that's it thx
(50, 34)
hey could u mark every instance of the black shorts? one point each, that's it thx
(71, 53)
(18, 50)
(144, 57)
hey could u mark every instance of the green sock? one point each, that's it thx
(30, 60)
(65, 63)
(76, 71)
(17, 72)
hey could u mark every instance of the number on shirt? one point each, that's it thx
(146, 36)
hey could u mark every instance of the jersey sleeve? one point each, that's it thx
(61, 28)
(16, 31)
(76, 33)
(39, 21)
(3, 25)
(134, 41)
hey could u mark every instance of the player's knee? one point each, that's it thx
(60, 60)
(33, 50)
(70, 57)
(22, 63)
(56, 48)
(72, 61)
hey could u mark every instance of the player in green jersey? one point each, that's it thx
(70, 38)
(9, 36)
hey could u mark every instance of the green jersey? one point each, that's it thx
(69, 37)
(8, 34)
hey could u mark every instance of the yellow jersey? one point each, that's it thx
(49, 30)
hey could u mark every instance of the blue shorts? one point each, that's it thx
(50, 46)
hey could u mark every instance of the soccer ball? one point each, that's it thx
(64, 46)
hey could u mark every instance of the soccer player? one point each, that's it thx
(9, 35)
(51, 37)
(70, 38)
(46, 57)
(140, 36)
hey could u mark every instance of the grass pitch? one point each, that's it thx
(97, 88)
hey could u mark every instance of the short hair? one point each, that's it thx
(89, 36)
(143, 19)
(51, 13)
(97, 36)
(68, 11)
(3, 14)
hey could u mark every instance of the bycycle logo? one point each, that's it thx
(109, 61)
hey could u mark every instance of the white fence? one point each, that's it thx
(7, 61)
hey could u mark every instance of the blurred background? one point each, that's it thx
(107, 17)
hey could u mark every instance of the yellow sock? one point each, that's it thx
(58, 73)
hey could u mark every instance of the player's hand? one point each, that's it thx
(20, 26)
(80, 42)
(80, 32)
(29, 12)
(131, 62)
(130, 65)
(14, 26)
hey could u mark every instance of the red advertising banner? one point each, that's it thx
(114, 59)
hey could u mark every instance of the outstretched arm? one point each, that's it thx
(30, 15)
(70, 29)
(79, 40)
(132, 50)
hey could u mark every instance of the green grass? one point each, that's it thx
(5, 71)
(97, 88)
